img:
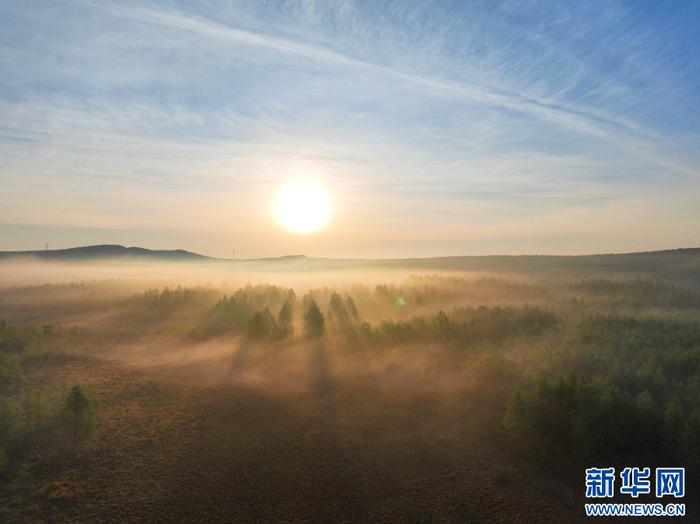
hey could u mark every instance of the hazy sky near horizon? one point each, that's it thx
(439, 128)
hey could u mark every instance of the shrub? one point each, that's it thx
(11, 374)
(16, 339)
(36, 411)
(4, 460)
(8, 419)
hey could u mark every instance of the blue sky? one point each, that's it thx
(437, 127)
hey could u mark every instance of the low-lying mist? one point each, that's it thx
(279, 375)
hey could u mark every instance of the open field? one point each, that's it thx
(470, 389)
(345, 261)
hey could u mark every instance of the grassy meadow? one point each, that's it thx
(467, 389)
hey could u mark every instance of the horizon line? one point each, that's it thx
(301, 255)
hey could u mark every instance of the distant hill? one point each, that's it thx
(447, 262)
(105, 251)
(671, 265)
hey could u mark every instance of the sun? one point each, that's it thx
(302, 207)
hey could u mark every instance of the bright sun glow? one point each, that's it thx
(302, 207)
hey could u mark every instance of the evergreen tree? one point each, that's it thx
(79, 415)
(285, 319)
(314, 322)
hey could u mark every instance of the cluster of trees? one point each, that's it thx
(267, 313)
(263, 325)
(610, 388)
(628, 391)
(36, 421)
(441, 288)
(155, 304)
(249, 310)
(341, 313)
(638, 293)
(32, 420)
(465, 326)
(19, 345)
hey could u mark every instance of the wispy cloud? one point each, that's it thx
(594, 122)
(116, 114)
(624, 132)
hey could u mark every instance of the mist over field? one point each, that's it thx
(345, 261)
(304, 389)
